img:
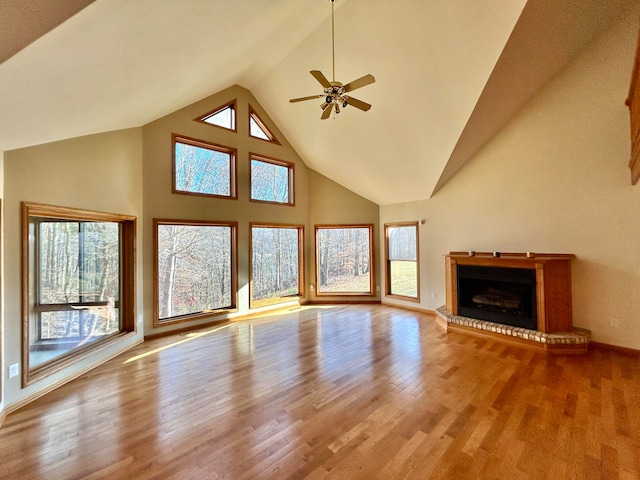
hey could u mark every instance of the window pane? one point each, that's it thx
(404, 278)
(78, 272)
(256, 131)
(275, 262)
(344, 263)
(269, 182)
(202, 170)
(194, 269)
(402, 243)
(222, 118)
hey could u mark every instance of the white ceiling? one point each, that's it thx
(449, 74)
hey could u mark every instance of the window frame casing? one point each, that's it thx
(157, 322)
(387, 261)
(194, 142)
(253, 115)
(301, 277)
(279, 163)
(232, 105)
(370, 228)
(30, 284)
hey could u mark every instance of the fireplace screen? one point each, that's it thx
(497, 294)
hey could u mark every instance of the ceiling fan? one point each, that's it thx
(335, 93)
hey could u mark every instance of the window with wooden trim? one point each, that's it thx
(272, 181)
(78, 284)
(203, 168)
(258, 129)
(195, 269)
(344, 256)
(223, 116)
(401, 258)
(276, 263)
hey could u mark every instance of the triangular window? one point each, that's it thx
(224, 116)
(258, 129)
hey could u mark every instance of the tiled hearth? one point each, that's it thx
(576, 341)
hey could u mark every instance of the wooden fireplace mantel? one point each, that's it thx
(553, 283)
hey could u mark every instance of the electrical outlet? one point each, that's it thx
(14, 370)
(615, 322)
(311, 287)
(433, 295)
(378, 288)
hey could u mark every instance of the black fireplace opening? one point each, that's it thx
(498, 294)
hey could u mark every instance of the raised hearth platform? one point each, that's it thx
(574, 342)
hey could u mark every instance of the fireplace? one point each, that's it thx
(496, 294)
(518, 298)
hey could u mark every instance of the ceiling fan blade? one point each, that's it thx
(359, 83)
(327, 111)
(354, 102)
(318, 75)
(302, 99)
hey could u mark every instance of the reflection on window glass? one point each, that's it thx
(202, 168)
(275, 262)
(78, 275)
(271, 182)
(194, 269)
(344, 260)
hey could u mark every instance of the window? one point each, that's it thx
(195, 269)
(271, 180)
(276, 263)
(203, 168)
(401, 252)
(224, 116)
(343, 259)
(258, 129)
(78, 284)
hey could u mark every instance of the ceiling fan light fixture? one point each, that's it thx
(334, 91)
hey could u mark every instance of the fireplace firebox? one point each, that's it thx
(496, 294)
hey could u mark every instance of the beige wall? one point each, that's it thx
(315, 196)
(98, 172)
(554, 180)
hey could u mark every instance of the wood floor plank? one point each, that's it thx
(334, 392)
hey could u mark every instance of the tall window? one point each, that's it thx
(271, 180)
(195, 269)
(203, 168)
(78, 284)
(276, 263)
(401, 252)
(343, 259)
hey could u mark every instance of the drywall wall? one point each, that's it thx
(555, 179)
(98, 172)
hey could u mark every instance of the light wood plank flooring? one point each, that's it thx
(345, 392)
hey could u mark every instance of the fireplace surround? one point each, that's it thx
(517, 297)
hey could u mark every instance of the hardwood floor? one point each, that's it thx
(345, 392)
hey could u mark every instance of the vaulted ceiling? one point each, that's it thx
(449, 73)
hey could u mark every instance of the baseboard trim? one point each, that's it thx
(409, 307)
(614, 348)
(40, 393)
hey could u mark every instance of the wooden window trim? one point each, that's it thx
(267, 131)
(301, 275)
(234, 272)
(387, 273)
(281, 163)
(371, 292)
(127, 288)
(233, 104)
(233, 167)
